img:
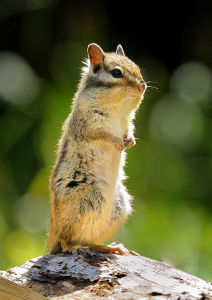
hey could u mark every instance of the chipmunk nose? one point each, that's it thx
(141, 86)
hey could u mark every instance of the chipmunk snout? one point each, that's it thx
(141, 86)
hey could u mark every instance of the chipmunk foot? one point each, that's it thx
(110, 249)
(113, 248)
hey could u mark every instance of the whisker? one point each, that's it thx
(153, 87)
(153, 81)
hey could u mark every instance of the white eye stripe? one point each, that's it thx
(107, 77)
(117, 67)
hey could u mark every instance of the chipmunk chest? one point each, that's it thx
(118, 126)
(117, 129)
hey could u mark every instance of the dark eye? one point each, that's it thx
(116, 73)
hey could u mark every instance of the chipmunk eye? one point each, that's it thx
(116, 73)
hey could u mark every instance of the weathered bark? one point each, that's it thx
(86, 274)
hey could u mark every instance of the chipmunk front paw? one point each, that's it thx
(129, 141)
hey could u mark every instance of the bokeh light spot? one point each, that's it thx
(176, 122)
(18, 82)
(193, 81)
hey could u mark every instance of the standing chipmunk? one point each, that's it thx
(88, 199)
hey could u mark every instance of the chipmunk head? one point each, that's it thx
(113, 76)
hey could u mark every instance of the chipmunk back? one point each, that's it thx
(88, 199)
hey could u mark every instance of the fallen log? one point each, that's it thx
(85, 274)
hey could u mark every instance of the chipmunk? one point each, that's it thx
(88, 199)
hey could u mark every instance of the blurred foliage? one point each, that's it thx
(170, 169)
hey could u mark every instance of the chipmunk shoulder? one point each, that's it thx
(89, 201)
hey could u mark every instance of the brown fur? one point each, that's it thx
(88, 199)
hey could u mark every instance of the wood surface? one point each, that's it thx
(85, 274)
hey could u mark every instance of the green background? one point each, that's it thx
(169, 170)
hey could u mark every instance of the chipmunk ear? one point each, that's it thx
(120, 50)
(95, 54)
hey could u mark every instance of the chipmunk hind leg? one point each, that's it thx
(112, 229)
(54, 243)
(121, 209)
